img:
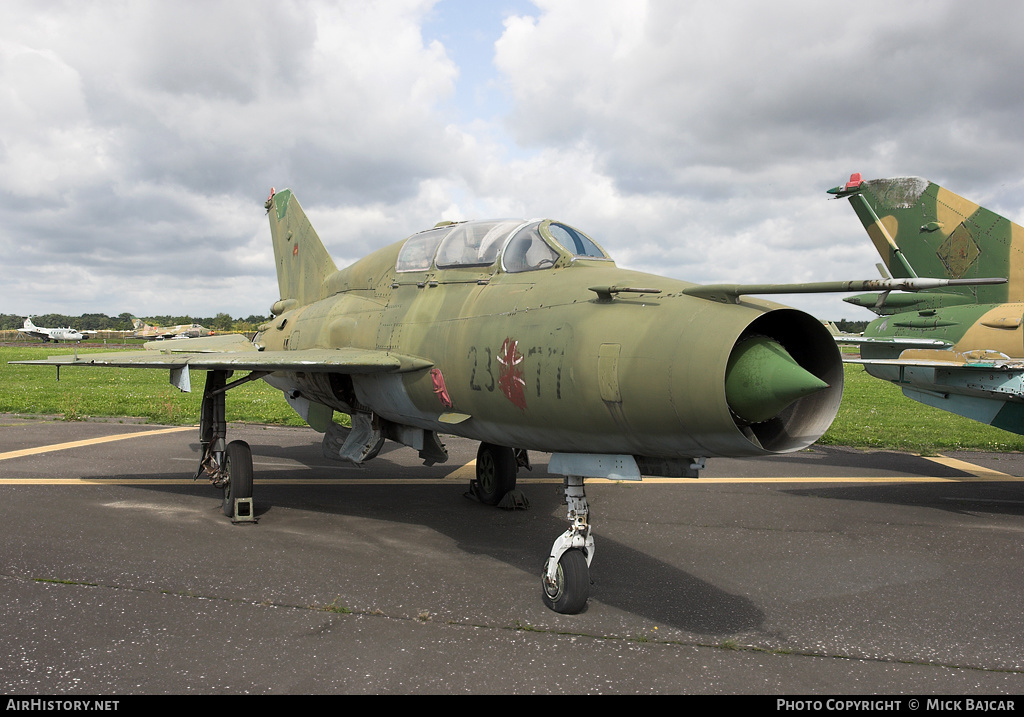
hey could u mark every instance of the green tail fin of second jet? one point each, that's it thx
(923, 230)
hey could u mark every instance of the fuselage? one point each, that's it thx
(992, 327)
(539, 359)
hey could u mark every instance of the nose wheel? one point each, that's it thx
(568, 592)
(565, 581)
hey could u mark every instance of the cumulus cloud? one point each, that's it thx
(678, 95)
(146, 134)
(138, 139)
(729, 119)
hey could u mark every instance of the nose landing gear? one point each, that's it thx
(565, 579)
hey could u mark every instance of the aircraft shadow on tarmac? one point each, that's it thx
(310, 455)
(855, 461)
(966, 498)
(623, 577)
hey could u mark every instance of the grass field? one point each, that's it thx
(87, 392)
(874, 414)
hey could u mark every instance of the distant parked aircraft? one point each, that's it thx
(188, 331)
(54, 335)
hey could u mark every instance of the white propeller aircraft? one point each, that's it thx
(54, 335)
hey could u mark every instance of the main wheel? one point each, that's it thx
(238, 467)
(572, 583)
(495, 472)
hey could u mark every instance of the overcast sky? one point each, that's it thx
(138, 140)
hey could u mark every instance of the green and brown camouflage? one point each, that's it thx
(142, 330)
(537, 345)
(923, 230)
(958, 347)
(524, 336)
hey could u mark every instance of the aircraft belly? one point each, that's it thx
(978, 382)
(1005, 414)
(973, 407)
(387, 395)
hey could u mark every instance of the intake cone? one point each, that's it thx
(761, 379)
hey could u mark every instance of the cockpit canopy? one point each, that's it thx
(523, 245)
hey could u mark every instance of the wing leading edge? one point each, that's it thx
(235, 353)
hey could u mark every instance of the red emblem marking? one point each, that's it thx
(510, 375)
(439, 388)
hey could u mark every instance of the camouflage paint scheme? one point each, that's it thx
(956, 348)
(535, 358)
(569, 358)
(522, 335)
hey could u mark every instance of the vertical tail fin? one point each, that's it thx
(301, 258)
(921, 229)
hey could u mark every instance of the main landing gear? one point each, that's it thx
(228, 466)
(496, 470)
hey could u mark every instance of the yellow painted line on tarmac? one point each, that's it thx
(95, 481)
(467, 472)
(90, 442)
(463, 473)
(794, 479)
(974, 470)
(997, 477)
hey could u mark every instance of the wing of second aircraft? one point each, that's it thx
(899, 343)
(984, 386)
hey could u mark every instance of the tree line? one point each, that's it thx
(123, 322)
(851, 327)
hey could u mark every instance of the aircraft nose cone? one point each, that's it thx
(761, 379)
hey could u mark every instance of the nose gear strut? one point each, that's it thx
(566, 576)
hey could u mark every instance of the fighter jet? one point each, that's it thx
(145, 331)
(959, 347)
(53, 335)
(525, 336)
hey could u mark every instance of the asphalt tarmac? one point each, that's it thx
(826, 572)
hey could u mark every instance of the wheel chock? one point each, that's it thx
(243, 511)
(514, 500)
